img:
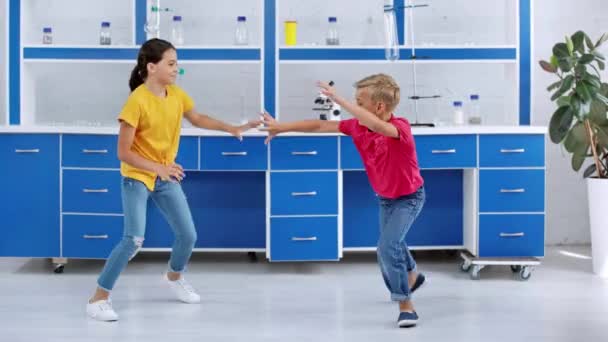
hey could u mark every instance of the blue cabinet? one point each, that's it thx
(228, 153)
(446, 151)
(303, 239)
(512, 190)
(511, 235)
(507, 150)
(91, 151)
(304, 153)
(29, 180)
(92, 191)
(304, 193)
(94, 237)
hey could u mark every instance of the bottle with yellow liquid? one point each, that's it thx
(291, 32)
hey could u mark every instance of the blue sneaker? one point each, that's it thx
(407, 319)
(419, 281)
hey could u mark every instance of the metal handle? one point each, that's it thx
(35, 150)
(93, 237)
(309, 153)
(521, 234)
(512, 191)
(312, 238)
(312, 193)
(95, 190)
(515, 150)
(94, 151)
(234, 153)
(450, 151)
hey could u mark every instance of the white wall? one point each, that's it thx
(567, 221)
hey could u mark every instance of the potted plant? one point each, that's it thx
(580, 124)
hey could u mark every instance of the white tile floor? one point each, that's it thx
(343, 301)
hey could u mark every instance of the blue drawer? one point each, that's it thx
(511, 150)
(304, 153)
(512, 190)
(446, 151)
(90, 151)
(92, 191)
(304, 193)
(91, 236)
(187, 154)
(350, 159)
(511, 235)
(228, 153)
(304, 239)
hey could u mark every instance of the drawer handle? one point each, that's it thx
(95, 191)
(511, 191)
(94, 151)
(312, 238)
(516, 150)
(450, 151)
(233, 154)
(296, 194)
(512, 234)
(95, 237)
(309, 153)
(35, 150)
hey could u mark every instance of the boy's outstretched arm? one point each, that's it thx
(365, 118)
(311, 126)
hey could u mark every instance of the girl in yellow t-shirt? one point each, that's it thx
(150, 124)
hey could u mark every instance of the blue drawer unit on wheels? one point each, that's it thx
(29, 181)
(91, 236)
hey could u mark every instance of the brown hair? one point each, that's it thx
(383, 88)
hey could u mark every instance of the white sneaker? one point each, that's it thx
(183, 290)
(101, 310)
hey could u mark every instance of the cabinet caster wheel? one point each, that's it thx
(515, 268)
(465, 266)
(475, 273)
(253, 257)
(58, 269)
(525, 273)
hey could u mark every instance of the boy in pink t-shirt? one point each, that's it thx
(387, 147)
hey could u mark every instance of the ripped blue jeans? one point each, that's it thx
(171, 201)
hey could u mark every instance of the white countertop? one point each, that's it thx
(443, 130)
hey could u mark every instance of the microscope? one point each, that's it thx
(326, 108)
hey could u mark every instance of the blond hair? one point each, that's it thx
(383, 88)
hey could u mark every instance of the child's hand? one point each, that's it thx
(171, 173)
(327, 90)
(239, 130)
(271, 125)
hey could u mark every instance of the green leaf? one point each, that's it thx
(565, 64)
(554, 86)
(602, 99)
(583, 91)
(569, 45)
(566, 86)
(586, 59)
(602, 136)
(601, 65)
(560, 50)
(577, 161)
(590, 170)
(547, 67)
(560, 124)
(598, 55)
(576, 141)
(593, 81)
(553, 61)
(578, 40)
(563, 101)
(589, 43)
(601, 40)
(597, 112)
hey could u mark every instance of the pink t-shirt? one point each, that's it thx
(391, 163)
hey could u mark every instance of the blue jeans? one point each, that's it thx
(395, 260)
(170, 199)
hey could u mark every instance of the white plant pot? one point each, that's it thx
(597, 194)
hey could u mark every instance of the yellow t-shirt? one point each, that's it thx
(157, 123)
